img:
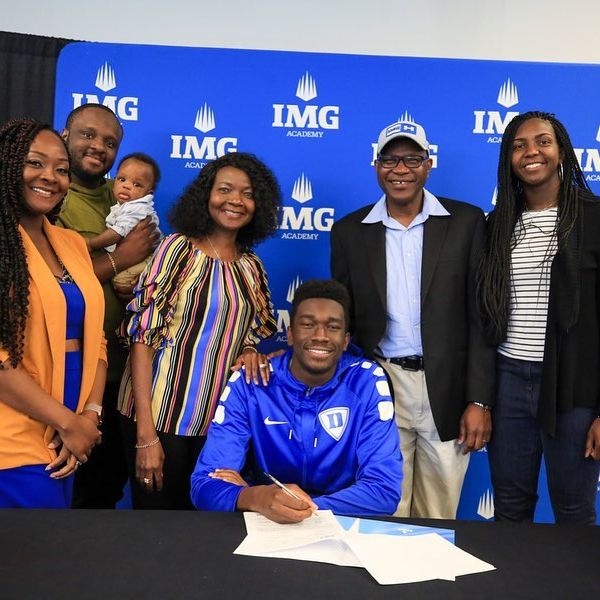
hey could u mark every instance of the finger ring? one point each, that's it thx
(262, 366)
(146, 480)
(78, 463)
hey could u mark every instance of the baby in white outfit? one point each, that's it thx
(137, 176)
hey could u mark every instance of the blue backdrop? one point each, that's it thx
(314, 119)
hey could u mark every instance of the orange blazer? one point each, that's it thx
(23, 440)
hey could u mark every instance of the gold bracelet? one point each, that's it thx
(253, 348)
(112, 262)
(152, 443)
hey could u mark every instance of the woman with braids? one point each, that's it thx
(539, 292)
(52, 349)
(199, 310)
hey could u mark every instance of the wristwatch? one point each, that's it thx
(95, 408)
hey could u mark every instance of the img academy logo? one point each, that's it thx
(492, 123)
(196, 150)
(304, 222)
(306, 120)
(125, 107)
(589, 159)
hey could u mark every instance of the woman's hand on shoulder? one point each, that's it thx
(254, 364)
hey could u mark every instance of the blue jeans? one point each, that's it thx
(517, 444)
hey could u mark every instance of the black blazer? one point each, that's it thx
(571, 368)
(459, 364)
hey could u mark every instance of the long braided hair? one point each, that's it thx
(493, 279)
(15, 140)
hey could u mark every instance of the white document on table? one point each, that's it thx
(390, 559)
(265, 535)
(396, 559)
(332, 552)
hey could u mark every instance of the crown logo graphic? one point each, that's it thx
(105, 78)
(302, 191)
(292, 288)
(307, 88)
(406, 118)
(508, 95)
(485, 507)
(205, 119)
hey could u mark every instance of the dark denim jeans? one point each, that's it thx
(517, 444)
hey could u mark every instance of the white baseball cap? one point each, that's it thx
(403, 129)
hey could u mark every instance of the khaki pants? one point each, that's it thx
(434, 471)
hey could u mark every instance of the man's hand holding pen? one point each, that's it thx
(277, 504)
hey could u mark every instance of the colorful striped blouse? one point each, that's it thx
(197, 312)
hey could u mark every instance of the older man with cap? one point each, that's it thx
(409, 263)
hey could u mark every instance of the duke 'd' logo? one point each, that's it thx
(198, 150)
(493, 122)
(306, 120)
(125, 107)
(334, 421)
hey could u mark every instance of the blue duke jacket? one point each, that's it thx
(338, 442)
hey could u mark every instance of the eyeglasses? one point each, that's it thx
(410, 162)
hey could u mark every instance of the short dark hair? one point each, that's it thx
(322, 288)
(83, 107)
(190, 215)
(146, 159)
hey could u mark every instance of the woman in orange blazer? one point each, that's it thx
(52, 347)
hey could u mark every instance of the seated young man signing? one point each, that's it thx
(324, 426)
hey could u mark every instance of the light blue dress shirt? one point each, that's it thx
(404, 257)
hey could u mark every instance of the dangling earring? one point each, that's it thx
(560, 171)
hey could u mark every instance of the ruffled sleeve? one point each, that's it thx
(150, 313)
(264, 324)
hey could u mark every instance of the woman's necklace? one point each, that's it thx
(552, 204)
(235, 256)
(66, 276)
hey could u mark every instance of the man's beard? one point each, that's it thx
(86, 176)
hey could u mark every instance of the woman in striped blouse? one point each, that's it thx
(199, 310)
(539, 291)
